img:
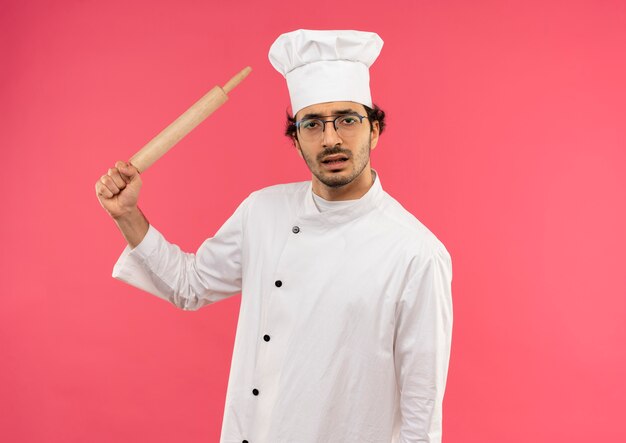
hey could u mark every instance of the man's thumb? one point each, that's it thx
(129, 171)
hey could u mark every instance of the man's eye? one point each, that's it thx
(348, 121)
(310, 124)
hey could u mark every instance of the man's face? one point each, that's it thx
(338, 161)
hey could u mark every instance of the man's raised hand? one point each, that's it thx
(118, 189)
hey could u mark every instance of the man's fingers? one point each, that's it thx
(121, 167)
(128, 171)
(102, 190)
(109, 184)
(119, 181)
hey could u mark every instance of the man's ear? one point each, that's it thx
(374, 133)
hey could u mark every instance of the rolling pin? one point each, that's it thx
(184, 124)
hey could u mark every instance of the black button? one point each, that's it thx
(255, 391)
(266, 337)
(295, 229)
(245, 441)
(278, 283)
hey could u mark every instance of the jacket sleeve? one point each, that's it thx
(187, 280)
(422, 348)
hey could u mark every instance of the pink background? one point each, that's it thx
(506, 137)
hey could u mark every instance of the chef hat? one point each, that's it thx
(326, 66)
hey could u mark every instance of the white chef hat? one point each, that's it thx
(326, 66)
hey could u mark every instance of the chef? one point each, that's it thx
(346, 313)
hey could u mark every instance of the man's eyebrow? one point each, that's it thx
(339, 112)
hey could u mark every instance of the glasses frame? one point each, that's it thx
(334, 120)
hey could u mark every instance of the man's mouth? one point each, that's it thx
(335, 160)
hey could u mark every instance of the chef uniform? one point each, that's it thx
(346, 314)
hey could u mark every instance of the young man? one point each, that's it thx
(346, 313)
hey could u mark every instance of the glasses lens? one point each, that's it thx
(311, 129)
(348, 123)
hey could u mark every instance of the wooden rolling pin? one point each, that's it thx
(184, 124)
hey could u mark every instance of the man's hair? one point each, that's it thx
(373, 115)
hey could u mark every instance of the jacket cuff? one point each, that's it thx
(131, 260)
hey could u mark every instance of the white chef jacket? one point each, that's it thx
(345, 321)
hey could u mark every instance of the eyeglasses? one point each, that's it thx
(311, 129)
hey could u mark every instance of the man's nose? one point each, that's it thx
(330, 135)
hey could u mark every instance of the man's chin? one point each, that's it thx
(335, 179)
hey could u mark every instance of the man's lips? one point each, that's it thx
(334, 163)
(335, 159)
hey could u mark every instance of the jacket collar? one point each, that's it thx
(365, 204)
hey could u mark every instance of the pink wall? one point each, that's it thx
(506, 137)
